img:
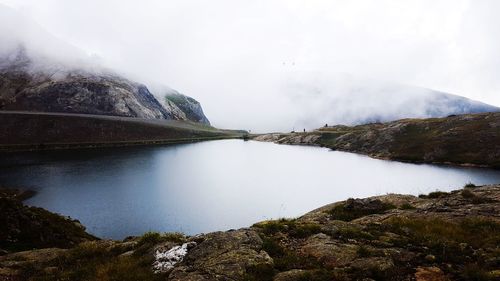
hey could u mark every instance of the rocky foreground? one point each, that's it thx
(439, 236)
(471, 139)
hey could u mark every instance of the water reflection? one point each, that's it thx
(213, 185)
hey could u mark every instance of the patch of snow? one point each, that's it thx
(165, 260)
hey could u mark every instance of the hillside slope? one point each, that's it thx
(472, 139)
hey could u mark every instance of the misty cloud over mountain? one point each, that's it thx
(273, 86)
(345, 99)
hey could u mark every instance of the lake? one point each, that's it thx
(215, 185)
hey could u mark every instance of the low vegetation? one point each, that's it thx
(469, 185)
(152, 238)
(290, 227)
(96, 261)
(25, 228)
(435, 194)
(352, 209)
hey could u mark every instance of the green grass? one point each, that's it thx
(97, 261)
(435, 195)
(407, 206)
(344, 212)
(473, 198)
(449, 241)
(477, 232)
(260, 272)
(152, 237)
(474, 272)
(285, 259)
(288, 226)
(469, 185)
(364, 251)
(467, 194)
(353, 232)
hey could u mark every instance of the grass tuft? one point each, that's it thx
(469, 185)
(289, 226)
(407, 206)
(474, 272)
(351, 210)
(151, 238)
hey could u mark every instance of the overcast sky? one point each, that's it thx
(233, 55)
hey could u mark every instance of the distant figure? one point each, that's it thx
(326, 125)
(304, 130)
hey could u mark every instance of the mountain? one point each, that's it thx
(56, 88)
(41, 73)
(350, 100)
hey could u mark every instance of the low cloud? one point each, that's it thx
(275, 65)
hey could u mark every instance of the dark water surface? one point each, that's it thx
(214, 185)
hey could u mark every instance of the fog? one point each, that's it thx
(273, 65)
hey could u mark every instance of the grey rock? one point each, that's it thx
(188, 105)
(223, 256)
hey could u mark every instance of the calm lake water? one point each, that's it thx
(214, 185)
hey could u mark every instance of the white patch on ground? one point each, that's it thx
(165, 260)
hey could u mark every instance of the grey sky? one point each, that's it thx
(234, 56)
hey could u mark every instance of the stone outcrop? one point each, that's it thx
(190, 107)
(223, 256)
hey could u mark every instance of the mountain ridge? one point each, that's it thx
(23, 88)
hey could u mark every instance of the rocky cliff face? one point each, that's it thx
(191, 107)
(82, 91)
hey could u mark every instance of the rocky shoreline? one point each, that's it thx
(471, 140)
(439, 236)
